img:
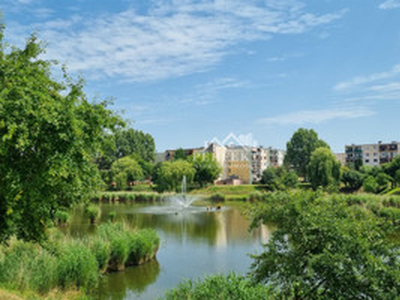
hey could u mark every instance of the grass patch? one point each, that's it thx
(231, 287)
(68, 264)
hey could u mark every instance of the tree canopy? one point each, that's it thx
(323, 169)
(207, 168)
(299, 149)
(325, 249)
(170, 174)
(49, 136)
(125, 170)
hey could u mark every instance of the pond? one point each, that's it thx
(194, 243)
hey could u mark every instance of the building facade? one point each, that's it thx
(371, 154)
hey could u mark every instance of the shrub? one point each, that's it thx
(92, 212)
(101, 251)
(112, 215)
(231, 287)
(370, 185)
(61, 217)
(77, 267)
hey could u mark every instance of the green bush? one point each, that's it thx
(77, 268)
(231, 287)
(112, 215)
(370, 185)
(61, 217)
(27, 266)
(92, 212)
(101, 251)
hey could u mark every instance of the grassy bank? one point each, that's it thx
(129, 197)
(64, 264)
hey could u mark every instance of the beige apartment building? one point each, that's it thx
(244, 164)
(372, 154)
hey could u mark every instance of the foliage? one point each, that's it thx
(325, 249)
(370, 185)
(231, 287)
(271, 179)
(217, 197)
(170, 174)
(352, 178)
(125, 170)
(112, 215)
(61, 216)
(50, 134)
(207, 168)
(180, 154)
(65, 263)
(323, 169)
(290, 180)
(92, 212)
(77, 267)
(299, 149)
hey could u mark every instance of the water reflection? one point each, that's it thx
(131, 282)
(194, 243)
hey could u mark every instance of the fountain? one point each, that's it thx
(177, 204)
(183, 200)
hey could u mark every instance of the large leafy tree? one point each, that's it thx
(126, 142)
(170, 174)
(299, 149)
(324, 249)
(131, 141)
(323, 169)
(207, 168)
(49, 136)
(125, 170)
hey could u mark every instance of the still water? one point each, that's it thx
(194, 243)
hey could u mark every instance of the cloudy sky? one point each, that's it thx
(190, 71)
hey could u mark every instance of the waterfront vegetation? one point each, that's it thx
(63, 263)
(58, 149)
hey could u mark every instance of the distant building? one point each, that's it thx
(341, 157)
(240, 164)
(372, 154)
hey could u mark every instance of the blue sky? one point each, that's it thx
(188, 71)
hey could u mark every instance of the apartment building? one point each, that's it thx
(243, 163)
(372, 154)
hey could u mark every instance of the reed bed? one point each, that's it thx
(66, 263)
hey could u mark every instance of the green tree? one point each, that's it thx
(131, 141)
(271, 179)
(352, 178)
(49, 136)
(207, 168)
(370, 185)
(125, 170)
(290, 180)
(323, 169)
(180, 154)
(126, 142)
(324, 249)
(170, 174)
(299, 149)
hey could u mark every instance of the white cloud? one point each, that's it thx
(390, 4)
(317, 116)
(209, 92)
(360, 80)
(173, 38)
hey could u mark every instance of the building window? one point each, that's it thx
(375, 160)
(367, 154)
(367, 161)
